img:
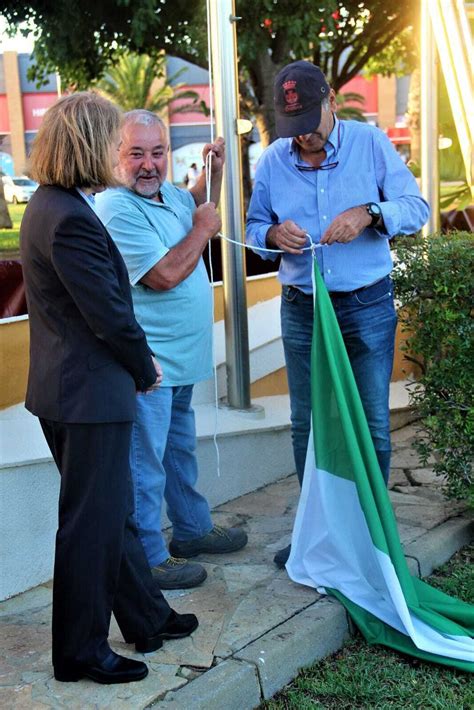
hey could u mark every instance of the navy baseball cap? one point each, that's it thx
(299, 90)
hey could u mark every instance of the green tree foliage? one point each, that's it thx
(140, 81)
(400, 57)
(434, 283)
(83, 39)
(341, 36)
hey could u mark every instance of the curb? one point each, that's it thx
(437, 546)
(315, 632)
(231, 686)
(265, 666)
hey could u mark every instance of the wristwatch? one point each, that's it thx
(375, 212)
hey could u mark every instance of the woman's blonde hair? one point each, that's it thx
(72, 148)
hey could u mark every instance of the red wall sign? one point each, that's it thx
(202, 90)
(367, 88)
(4, 122)
(34, 108)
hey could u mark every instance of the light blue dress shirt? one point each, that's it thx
(366, 168)
(177, 322)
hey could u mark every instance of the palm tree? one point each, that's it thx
(140, 81)
(350, 112)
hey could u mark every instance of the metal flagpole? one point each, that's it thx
(224, 63)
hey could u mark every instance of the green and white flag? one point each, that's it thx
(345, 540)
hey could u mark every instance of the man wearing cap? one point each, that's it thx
(351, 192)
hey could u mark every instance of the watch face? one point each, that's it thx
(374, 209)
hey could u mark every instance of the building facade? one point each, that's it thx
(22, 107)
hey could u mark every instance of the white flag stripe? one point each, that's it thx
(424, 636)
(332, 547)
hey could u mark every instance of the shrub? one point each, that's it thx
(434, 284)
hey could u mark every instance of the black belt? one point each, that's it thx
(343, 294)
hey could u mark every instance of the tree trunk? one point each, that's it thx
(259, 103)
(266, 126)
(263, 72)
(5, 219)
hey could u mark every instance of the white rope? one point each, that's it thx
(271, 251)
(208, 168)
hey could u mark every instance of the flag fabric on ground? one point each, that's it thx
(345, 540)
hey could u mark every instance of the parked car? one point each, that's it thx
(18, 188)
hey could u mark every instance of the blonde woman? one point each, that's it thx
(88, 358)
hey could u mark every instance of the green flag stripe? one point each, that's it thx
(376, 632)
(442, 611)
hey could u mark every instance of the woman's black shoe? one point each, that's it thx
(177, 626)
(113, 669)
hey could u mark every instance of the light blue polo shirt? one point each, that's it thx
(178, 322)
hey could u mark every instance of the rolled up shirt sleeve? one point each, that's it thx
(403, 208)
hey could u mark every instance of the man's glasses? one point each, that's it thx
(310, 168)
(329, 166)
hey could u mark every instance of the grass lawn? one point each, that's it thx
(373, 678)
(9, 238)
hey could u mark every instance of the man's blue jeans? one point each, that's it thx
(163, 463)
(367, 320)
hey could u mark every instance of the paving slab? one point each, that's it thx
(257, 627)
(407, 457)
(420, 476)
(405, 435)
(397, 478)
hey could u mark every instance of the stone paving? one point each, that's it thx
(246, 608)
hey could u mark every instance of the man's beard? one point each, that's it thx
(150, 192)
(149, 195)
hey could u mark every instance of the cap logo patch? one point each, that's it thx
(291, 96)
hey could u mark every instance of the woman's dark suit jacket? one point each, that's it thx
(88, 355)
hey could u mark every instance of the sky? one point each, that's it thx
(18, 44)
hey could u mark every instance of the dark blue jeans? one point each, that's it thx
(367, 320)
